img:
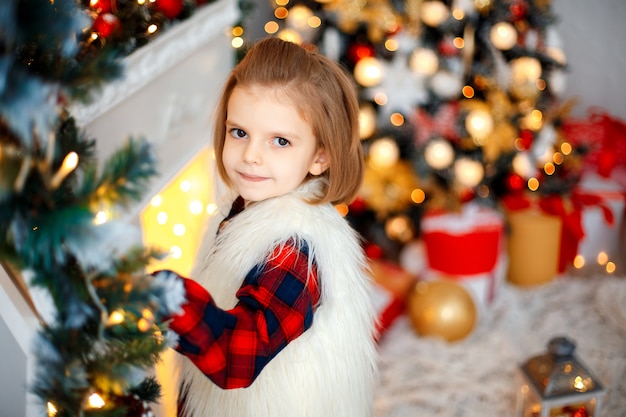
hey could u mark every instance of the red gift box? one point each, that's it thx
(388, 309)
(467, 246)
(391, 286)
(465, 243)
(603, 135)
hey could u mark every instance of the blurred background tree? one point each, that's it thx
(461, 101)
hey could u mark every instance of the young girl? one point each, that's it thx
(278, 320)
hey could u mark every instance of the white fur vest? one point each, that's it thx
(330, 370)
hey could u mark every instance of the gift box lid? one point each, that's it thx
(470, 218)
(592, 182)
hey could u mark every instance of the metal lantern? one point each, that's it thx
(557, 384)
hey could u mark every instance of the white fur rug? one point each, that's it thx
(476, 377)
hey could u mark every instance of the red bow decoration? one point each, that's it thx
(572, 230)
(604, 135)
(442, 123)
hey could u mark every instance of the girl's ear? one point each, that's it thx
(320, 162)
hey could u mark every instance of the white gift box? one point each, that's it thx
(468, 247)
(601, 237)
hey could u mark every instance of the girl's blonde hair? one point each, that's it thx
(324, 96)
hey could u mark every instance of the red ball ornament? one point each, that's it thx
(393, 29)
(446, 47)
(358, 51)
(581, 412)
(359, 205)
(106, 24)
(466, 195)
(515, 183)
(170, 8)
(373, 251)
(101, 6)
(574, 411)
(526, 139)
(519, 10)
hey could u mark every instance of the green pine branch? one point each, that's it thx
(124, 178)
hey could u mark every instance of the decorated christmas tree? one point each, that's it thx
(62, 233)
(461, 102)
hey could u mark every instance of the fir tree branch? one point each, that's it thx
(126, 174)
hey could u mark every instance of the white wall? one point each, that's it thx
(13, 375)
(593, 35)
(17, 328)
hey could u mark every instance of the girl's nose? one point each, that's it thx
(252, 153)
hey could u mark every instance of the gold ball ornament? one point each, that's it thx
(468, 172)
(290, 35)
(434, 13)
(479, 123)
(441, 308)
(439, 154)
(367, 120)
(298, 17)
(525, 72)
(368, 72)
(384, 153)
(503, 36)
(424, 61)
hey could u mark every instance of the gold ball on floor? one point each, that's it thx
(441, 308)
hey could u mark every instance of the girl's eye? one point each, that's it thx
(238, 133)
(281, 142)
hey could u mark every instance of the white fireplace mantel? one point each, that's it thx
(168, 92)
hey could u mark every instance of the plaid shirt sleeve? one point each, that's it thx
(276, 305)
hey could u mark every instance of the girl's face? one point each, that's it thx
(268, 149)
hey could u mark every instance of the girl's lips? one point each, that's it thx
(251, 178)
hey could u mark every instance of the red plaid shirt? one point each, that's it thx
(276, 305)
